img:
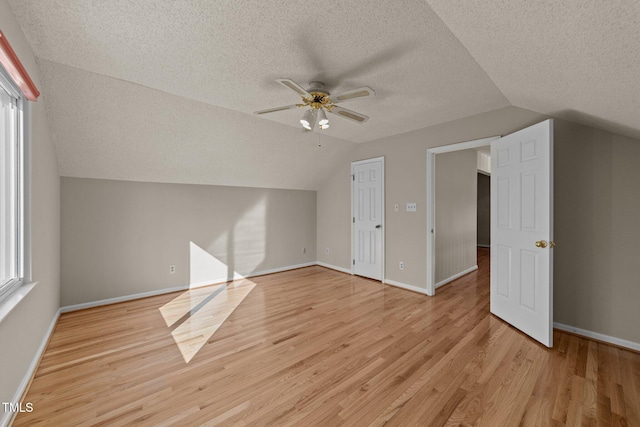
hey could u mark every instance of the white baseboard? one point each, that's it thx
(405, 286)
(130, 297)
(114, 300)
(598, 336)
(8, 417)
(238, 276)
(387, 281)
(280, 269)
(333, 267)
(456, 276)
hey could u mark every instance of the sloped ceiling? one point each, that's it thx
(164, 90)
(574, 59)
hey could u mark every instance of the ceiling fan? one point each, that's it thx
(319, 100)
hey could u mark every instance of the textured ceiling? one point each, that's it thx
(574, 59)
(130, 132)
(164, 90)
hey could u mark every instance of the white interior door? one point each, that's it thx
(522, 230)
(368, 217)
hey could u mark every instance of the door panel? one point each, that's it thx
(521, 215)
(367, 218)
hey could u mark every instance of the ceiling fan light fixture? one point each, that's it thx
(306, 119)
(324, 126)
(322, 118)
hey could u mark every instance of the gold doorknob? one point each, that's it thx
(541, 244)
(552, 244)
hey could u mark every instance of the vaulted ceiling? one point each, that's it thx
(165, 90)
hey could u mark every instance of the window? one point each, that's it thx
(12, 180)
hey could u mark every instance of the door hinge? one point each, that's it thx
(353, 177)
(354, 262)
(354, 219)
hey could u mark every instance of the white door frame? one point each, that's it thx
(431, 196)
(353, 237)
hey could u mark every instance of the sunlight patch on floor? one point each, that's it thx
(198, 313)
(177, 308)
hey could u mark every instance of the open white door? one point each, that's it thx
(522, 230)
(368, 217)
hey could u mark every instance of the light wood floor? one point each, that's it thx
(318, 347)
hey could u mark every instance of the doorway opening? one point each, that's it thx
(521, 271)
(431, 203)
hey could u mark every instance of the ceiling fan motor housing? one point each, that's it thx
(319, 97)
(317, 87)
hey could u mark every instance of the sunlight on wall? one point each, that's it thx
(205, 269)
(198, 313)
(239, 251)
(249, 238)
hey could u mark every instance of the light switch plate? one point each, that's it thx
(412, 207)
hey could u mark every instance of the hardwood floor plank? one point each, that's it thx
(545, 392)
(318, 347)
(564, 393)
(631, 387)
(590, 395)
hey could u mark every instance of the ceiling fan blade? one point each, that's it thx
(348, 114)
(288, 83)
(351, 94)
(272, 110)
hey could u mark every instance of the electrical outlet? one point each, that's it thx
(172, 269)
(326, 251)
(401, 265)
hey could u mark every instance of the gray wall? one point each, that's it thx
(484, 209)
(333, 231)
(24, 329)
(597, 230)
(119, 237)
(455, 213)
(405, 181)
(597, 206)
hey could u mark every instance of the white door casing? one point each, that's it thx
(367, 211)
(431, 200)
(521, 219)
